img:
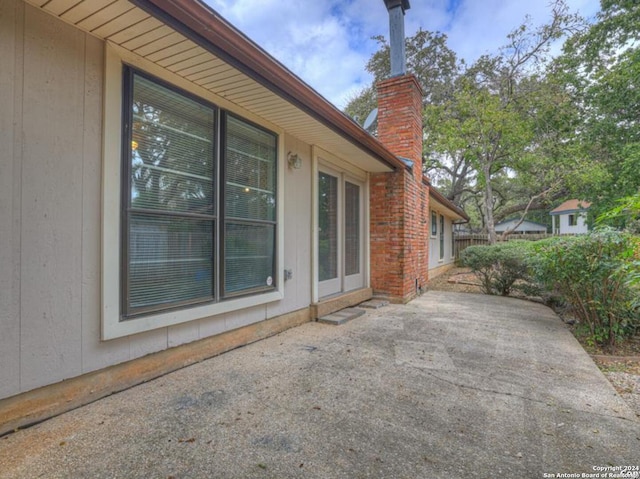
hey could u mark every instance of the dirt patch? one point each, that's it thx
(457, 280)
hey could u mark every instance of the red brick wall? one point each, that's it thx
(399, 200)
(400, 118)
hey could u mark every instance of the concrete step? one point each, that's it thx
(374, 304)
(342, 316)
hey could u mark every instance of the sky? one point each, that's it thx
(327, 43)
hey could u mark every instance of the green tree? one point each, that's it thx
(601, 68)
(495, 131)
(429, 58)
(502, 118)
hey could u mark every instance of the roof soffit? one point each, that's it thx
(188, 39)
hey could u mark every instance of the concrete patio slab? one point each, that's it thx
(450, 385)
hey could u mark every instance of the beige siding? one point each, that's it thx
(95, 354)
(10, 111)
(51, 275)
(434, 244)
(244, 317)
(51, 120)
(297, 234)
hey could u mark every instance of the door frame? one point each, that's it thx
(325, 161)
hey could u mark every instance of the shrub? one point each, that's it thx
(499, 266)
(598, 275)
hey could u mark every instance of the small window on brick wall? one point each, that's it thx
(434, 224)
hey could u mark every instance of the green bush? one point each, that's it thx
(598, 275)
(499, 266)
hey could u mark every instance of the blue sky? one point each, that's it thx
(328, 42)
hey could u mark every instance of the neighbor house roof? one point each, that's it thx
(189, 39)
(570, 206)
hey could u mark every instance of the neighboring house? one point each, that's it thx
(169, 191)
(570, 218)
(443, 216)
(526, 227)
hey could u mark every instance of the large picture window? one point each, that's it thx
(199, 201)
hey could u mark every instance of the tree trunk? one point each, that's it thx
(488, 206)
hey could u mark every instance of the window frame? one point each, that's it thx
(452, 254)
(222, 214)
(434, 224)
(129, 74)
(441, 237)
(112, 325)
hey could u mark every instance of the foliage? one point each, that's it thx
(598, 275)
(627, 211)
(428, 57)
(499, 266)
(516, 126)
(600, 67)
(508, 121)
(494, 130)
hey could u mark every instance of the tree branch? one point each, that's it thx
(539, 196)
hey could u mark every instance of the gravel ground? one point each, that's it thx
(628, 386)
(622, 373)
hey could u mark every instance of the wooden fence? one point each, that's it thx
(463, 241)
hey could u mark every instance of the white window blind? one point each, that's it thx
(179, 217)
(352, 228)
(170, 207)
(250, 207)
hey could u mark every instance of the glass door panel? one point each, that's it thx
(328, 235)
(353, 237)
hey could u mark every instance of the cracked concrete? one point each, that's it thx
(448, 386)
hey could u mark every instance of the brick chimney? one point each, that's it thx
(399, 200)
(400, 118)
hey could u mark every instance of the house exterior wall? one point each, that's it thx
(435, 262)
(562, 224)
(51, 123)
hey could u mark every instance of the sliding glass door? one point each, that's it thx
(340, 233)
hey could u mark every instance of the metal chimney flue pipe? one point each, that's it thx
(396, 9)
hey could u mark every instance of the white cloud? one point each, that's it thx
(327, 43)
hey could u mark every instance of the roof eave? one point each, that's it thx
(566, 212)
(440, 198)
(205, 27)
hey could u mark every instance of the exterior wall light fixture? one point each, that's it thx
(294, 160)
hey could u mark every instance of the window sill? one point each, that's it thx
(113, 327)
